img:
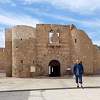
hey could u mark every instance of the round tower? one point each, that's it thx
(23, 50)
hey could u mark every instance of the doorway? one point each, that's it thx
(54, 68)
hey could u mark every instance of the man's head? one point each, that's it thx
(77, 61)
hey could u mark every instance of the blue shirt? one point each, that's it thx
(77, 70)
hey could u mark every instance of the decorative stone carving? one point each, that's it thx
(55, 38)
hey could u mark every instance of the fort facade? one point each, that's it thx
(48, 49)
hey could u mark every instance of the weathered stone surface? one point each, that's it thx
(30, 49)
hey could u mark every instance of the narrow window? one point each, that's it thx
(75, 40)
(51, 30)
(21, 61)
(50, 35)
(33, 61)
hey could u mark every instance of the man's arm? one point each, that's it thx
(74, 69)
(82, 70)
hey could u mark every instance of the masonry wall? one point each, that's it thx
(96, 59)
(57, 51)
(2, 60)
(28, 51)
(82, 49)
(23, 50)
(8, 51)
(6, 54)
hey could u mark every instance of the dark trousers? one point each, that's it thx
(78, 78)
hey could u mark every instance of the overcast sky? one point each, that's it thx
(85, 14)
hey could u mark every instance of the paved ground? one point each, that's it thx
(49, 89)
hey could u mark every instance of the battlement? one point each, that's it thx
(51, 25)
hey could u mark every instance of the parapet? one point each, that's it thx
(8, 34)
(52, 25)
(23, 31)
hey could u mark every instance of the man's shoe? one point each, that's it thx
(82, 86)
(78, 86)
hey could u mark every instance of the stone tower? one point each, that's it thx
(23, 50)
(8, 52)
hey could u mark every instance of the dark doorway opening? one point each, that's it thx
(54, 68)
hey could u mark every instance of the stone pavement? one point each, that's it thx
(49, 89)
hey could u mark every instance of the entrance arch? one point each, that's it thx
(54, 68)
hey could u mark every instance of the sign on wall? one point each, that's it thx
(33, 69)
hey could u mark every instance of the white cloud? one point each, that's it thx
(32, 1)
(9, 2)
(97, 42)
(89, 23)
(94, 35)
(5, 1)
(12, 19)
(78, 5)
(18, 20)
(81, 6)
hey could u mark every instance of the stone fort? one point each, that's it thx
(48, 49)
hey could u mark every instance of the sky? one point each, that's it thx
(84, 14)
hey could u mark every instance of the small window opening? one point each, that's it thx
(53, 37)
(21, 61)
(75, 40)
(51, 30)
(50, 35)
(33, 61)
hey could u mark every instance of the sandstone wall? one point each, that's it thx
(96, 59)
(28, 51)
(23, 50)
(8, 51)
(6, 54)
(53, 51)
(82, 49)
(2, 60)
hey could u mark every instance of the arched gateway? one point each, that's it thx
(54, 68)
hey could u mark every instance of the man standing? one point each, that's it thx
(78, 72)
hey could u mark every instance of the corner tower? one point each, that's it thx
(23, 50)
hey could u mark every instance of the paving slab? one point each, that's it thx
(49, 89)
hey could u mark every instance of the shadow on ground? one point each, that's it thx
(21, 95)
(14, 95)
(27, 90)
